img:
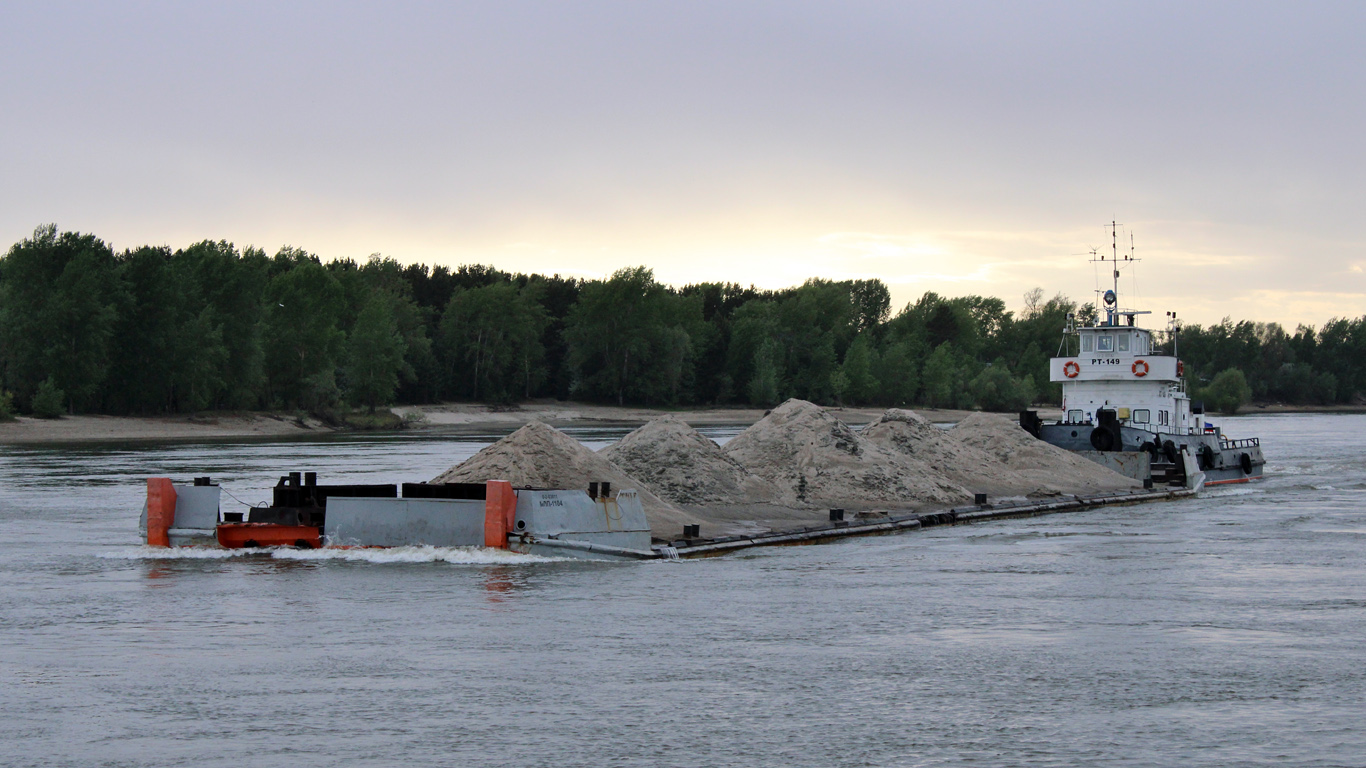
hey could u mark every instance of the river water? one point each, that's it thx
(1224, 630)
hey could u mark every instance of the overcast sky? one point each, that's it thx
(955, 147)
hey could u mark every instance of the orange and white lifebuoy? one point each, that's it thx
(1070, 369)
(1140, 368)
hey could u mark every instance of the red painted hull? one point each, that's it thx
(239, 535)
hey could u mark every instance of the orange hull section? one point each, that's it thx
(238, 535)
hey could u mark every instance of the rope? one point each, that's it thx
(258, 505)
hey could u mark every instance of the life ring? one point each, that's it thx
(1070, 369)
(1140, 368)
(1180, 368)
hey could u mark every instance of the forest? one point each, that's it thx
(150, 330)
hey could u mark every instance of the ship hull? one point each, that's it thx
(1223, 461)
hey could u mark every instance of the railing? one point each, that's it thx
(1244, 443)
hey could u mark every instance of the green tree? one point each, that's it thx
(943, 379)
(862, 385)
(229, 290)
(1228, 391)
(630, 338)
(302, 337)
(995, 389)
(765, 384)
(58, 299)
(47, 401)
(374, 354)
(491, 340)
(898, 373)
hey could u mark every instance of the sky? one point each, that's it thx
(962, 148)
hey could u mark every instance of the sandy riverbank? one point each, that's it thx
(454, 417)
(76, 429)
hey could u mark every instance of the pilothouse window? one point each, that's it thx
(1086, 342)
(1124, 342)
(1105, 343)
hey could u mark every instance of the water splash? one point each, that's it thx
(416, 554)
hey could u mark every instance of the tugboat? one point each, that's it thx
(1125, 404)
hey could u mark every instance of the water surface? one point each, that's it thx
(1226, 630)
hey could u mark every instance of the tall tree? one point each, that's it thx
(629, 339)
(491, 340)
(374, 353)
(303, 340)
(58, 306)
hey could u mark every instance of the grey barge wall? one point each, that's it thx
(196, 516)
(574, 524)
(372, 522)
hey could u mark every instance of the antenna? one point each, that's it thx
(1114, 255)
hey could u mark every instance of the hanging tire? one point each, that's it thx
(1149, 448)
(1169, 450)
(1206, 455)
(1245, 463)
(1102, 439)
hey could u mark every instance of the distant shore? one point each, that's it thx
(453, 417)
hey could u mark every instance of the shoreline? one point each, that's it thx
(455, 418)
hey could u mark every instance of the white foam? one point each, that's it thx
(419, 554)
(1226, 491)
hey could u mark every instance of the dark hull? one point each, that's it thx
(1222, 460)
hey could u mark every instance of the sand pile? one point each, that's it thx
(540, 456)
(1050, 468)
(822, 462)
(914, 435)
(683, 466)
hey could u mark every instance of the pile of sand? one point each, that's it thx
(1049, 468)
(822, 462)
(540, 456)
(684, 466)
(914, 435)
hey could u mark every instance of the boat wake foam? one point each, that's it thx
(416, 554)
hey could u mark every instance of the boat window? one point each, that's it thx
(1124, 342)
(1142, 416)
(1074, 417)
(1105, 343)
(1086, 342)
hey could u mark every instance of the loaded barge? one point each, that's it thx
(599, 524)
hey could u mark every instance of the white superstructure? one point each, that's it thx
(1115, 368)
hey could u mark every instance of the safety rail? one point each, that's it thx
(1247, 442)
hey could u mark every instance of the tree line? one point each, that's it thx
(148, 330)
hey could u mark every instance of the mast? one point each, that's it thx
(1114, 256)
